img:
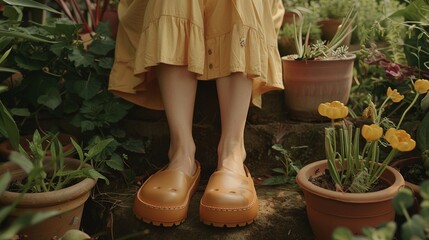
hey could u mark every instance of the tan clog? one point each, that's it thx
(229, 200)
(164, 197)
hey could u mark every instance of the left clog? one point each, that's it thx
(164, 197)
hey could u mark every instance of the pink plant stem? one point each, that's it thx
(65, 9)
(78, 10)
(90, 11)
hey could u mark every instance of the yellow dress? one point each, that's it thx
(213, 38)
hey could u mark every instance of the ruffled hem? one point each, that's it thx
(181, 42)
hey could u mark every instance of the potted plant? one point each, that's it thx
(415, 226)
(58, 183)
(354, 198)
(319, 72)
(416, 169)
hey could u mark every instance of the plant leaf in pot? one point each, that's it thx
(56, 183)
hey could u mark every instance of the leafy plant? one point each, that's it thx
(415, 227)
(49, 174)
(355, 171)
(289, 169)
(322, 49)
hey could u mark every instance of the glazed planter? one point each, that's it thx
(6, 147)
(309, 83)
(327, 210)
(69, 201)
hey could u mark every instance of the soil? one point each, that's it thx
(325, 181)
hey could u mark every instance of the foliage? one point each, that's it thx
(288, 171)
(354, 171)
(414, 19)
(321, 49)
(415, 227)
(36, 164)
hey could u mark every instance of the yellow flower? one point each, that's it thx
(333, 110)
(394, 95)
(400, 140)
(421, 86)
(372, 132)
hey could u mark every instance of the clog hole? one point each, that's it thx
(173, 189)
(232, 192)
(216, 189)
(156, 187)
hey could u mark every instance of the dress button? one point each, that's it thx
(210, 66)
(210, 52)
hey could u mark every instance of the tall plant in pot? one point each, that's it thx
(319, 72)
(42, 184)
(354, 186)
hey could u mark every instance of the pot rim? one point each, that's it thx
(382, 195)
(349, 57)
(45, 198)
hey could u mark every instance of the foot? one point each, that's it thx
(235, 166)
(186, 166)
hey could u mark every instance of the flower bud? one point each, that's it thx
(394, 95)
(333, 110)
(400, 140)
(421, 86)
(372, 132)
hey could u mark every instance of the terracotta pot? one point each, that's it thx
(6, 147)
(401, 163)
(289, 16)
(309, 83)
(327, 210)
(69, 201)
(111, 16)
(329, 27)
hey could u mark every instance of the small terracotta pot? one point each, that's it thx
(329, 27)
(6, 147)
(327, 210)
(69, 201)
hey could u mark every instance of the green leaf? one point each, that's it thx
(413, 229)
(403, 200)
(10, 70)
(279, 170)
(31, 4)
(88, 88)
(21, 112)
(4, 56)
(424, 190)
(22, 161)
(51, 99)
(106, 63)
(22, 35)
(86, 125)
(92, 173)
(276, 180)
(13, 13)
(8, 126)
(134, 145)
(102, 46)
(115, 162)
(100, 146)
(342, 233)
(422, 135)
(4, 213)
(81, 58)
(4, 182)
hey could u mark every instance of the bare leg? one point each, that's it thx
(234, 94)
(178, 89)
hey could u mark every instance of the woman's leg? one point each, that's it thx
(234, 94)
(178, 89)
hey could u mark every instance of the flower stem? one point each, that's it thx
(406, 110)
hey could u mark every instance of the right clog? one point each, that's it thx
(164, 197)
(229, 200)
